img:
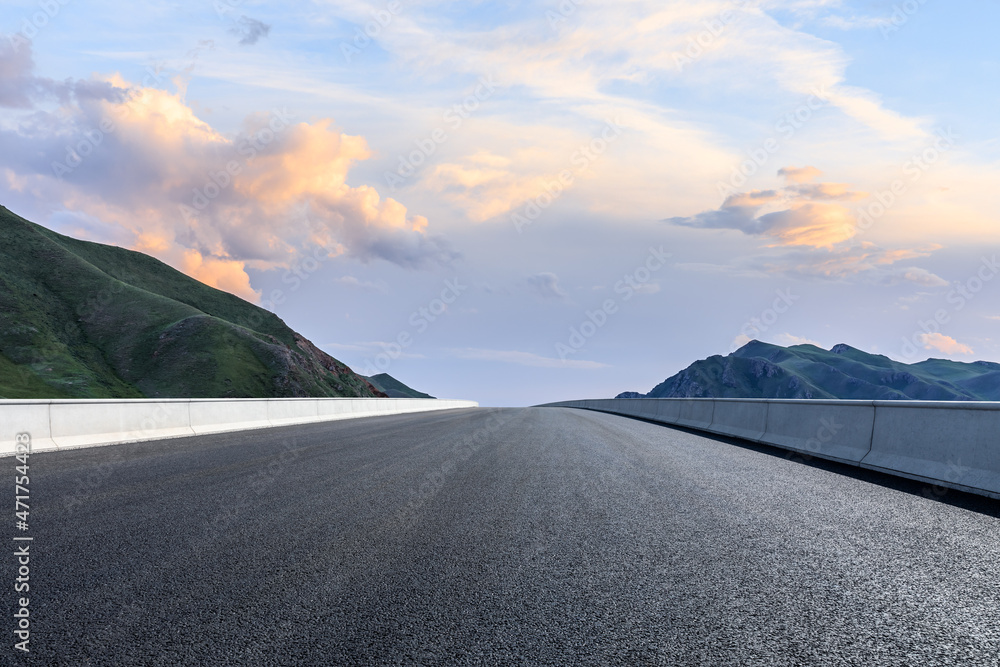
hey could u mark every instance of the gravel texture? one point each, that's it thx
(497, 537)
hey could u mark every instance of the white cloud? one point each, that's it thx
(546, 285)
(364, 285)
(854, 22)
(787, 340)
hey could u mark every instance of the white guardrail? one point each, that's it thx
(946, 443)
(66, 424)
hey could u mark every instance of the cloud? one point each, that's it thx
(855, 22)
(919, 276)
(864, 262)
(851, 262)
(808, 219)
(652, 287)
(546, 285)
(259, 198)
(371, 348)
(816, 233)
(800, 174)
(783, 339)
(525, 359)
(942, 343)
(224, 274)
(787, 340)
(738, 342)
(250, 30)
(365, 285)
(486, 185)
(20, 88)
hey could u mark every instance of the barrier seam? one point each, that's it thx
(767, 420)
(52, 437)
(871, 439)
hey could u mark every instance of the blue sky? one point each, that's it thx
(544, 201)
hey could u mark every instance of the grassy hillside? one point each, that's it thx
(393, 388)
(762, 370)
(85, 320)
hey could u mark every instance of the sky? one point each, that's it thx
(521, 202)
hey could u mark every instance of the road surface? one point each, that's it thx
(535, 536)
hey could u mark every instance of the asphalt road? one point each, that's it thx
(496, 537)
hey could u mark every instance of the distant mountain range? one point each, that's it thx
(85, 320)
(762, 370)
(393, 388)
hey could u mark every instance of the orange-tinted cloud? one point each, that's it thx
(806, 215)
(945, 344)
(809, 224)
(209, 203)
(800, 174)
(224, 274)
(486, 185)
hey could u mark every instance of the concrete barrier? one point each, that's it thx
(739, 418)
(62, 424)
(220, 415)
(633, 407)
(33, 419)
(281, 411)
(86, 423)
(836, 430)
(696, 413)
(668, 412)
(951, 444)
(340, 408)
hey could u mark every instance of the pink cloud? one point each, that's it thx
(207, 203)
(945, 344)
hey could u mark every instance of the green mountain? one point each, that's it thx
(762, 370)
(85, 320)
(393, 388)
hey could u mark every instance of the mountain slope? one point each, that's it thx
(762, 370)
(393, 388)
(85, 320)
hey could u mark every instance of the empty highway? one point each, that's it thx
(497, 537)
